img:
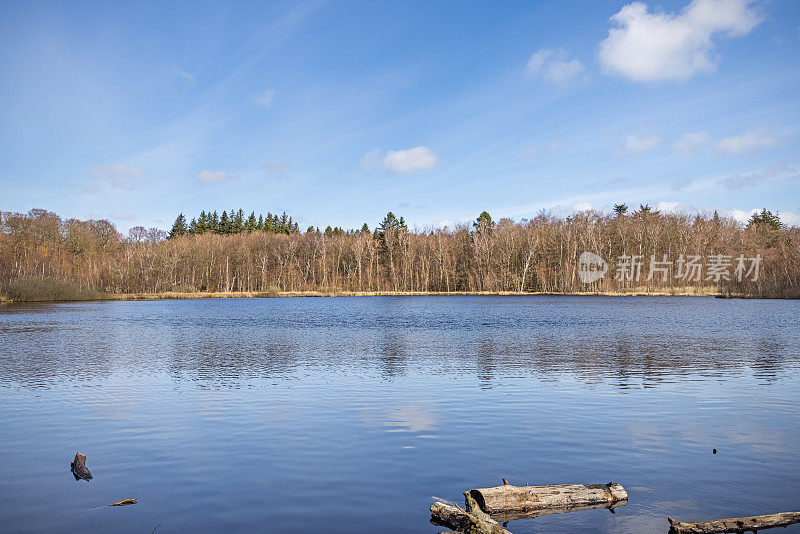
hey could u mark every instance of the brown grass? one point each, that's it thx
(683, 292)
(34, 289)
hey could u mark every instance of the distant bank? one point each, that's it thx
(174, 295)
(46, 258)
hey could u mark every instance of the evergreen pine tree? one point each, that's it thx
(179, 227)
(237, 222)
(202, 223)
(213, 223)
(224, 224)
(766, 218)
(251, 223)
(483, 223)
(389, 223)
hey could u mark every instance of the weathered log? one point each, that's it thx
(124, 502)
(470, 521)
(508, 498)
(504, 517)
(78, 468)
(735, 524)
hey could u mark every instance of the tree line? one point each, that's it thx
(541, 254)
(235, 223)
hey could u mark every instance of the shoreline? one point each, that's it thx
(170, 295)
(174, 295)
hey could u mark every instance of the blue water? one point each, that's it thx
(348, 414)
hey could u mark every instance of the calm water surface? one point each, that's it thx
(348, 414)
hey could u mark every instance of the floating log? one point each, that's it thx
(124, 502)
(78, 468)
(735, 524)
(466, 522)
(506, 499)
(504, 517)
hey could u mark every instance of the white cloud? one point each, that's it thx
(646, 47)
(416, 159)
(446, 224)
(554, 65)
(212, 177)
(636, 144)
(187, 77)
(748, 142)
(115, 177)
(741, 216)
(691, 143)
(582, 206)
(263, 99)
(671, 207)
(789, 218)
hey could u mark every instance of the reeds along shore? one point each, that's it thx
(43, 257)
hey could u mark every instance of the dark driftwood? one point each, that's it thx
(470, 521)
(124, 502)
(735, 524)
(78, 467)
(508, 499)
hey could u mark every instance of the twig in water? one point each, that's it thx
(124, 502)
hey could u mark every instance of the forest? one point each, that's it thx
(645, 252)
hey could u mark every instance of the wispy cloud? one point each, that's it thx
(690, 144)
(752, 179)
(187, 77)
(106, 177)
(408, 161)
(212, 177)
(680, 184)
(747, 142)
(543, 151)
(264, 98)
(647, 47)
(637, 144)
(554, 65)
(277, 167)
(371, 161)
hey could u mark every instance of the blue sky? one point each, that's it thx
(338, 112)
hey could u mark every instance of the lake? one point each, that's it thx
(347, 414)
